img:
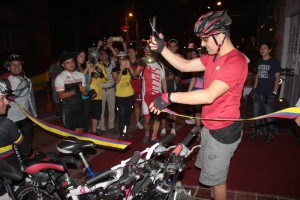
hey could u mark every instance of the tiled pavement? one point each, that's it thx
(46, 142)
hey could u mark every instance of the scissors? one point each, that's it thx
(153, 26)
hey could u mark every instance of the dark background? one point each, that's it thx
(42, 29)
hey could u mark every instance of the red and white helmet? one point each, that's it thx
(212, 23)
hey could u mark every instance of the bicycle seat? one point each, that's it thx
(9, 172)
(72, 145)
(40, 161)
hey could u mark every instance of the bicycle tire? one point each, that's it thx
(27, 192)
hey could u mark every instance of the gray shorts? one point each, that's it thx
(214, 159)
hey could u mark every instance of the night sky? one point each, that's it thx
(45, 28)
(175, 18)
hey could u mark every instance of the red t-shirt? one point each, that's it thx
(232, 69)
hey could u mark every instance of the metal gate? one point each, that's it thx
(292, 83)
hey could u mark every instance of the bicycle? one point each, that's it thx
(51, 180)
(160, 181)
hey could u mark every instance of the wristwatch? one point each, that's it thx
(275, 93)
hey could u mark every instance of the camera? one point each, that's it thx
(92, 60)
(92, 93)
(117, 39)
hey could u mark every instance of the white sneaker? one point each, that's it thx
(139, 125)
(190, 121)
(173, 131)
(163, 132)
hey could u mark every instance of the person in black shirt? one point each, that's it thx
(12, 147)
(265, 91)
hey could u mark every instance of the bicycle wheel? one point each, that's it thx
(29, 193)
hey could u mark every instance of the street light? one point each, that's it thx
(136, 27)
(127, 27)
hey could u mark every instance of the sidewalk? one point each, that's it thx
(46, 142)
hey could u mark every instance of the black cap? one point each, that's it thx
(66, 56)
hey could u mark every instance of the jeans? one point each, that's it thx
(264, 105)
(124, 108)
(108, 95)
(86, 114)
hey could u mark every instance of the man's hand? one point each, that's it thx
(252, 93)
(157, 44)
(160, 103)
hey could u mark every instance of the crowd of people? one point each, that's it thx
(119, 78)
(87, 82)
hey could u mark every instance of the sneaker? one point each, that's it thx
(256, 134)
(111, 131)
(190, 121)
(268, 138)
(128, 135)
(173, 131)
(163, 132)
(121, 137)
(139, 125)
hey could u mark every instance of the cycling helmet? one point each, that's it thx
(212, 23)
(4, 90)
(93, 52)
(11, 58)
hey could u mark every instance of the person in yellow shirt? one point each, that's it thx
(97, 76)
(124, 93)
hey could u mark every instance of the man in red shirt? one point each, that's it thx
(225, 73)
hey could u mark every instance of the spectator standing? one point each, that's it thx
(154, 82)
(108, 91)
(265, 91)
(197, 83)
(70, 84)
(97, 76)
(81, 66)
(54, 70)
(23, 95)
(124, 93)
(172, 80)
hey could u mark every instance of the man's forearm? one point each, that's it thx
(175, 60)
(65, 95)
(191, 98)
